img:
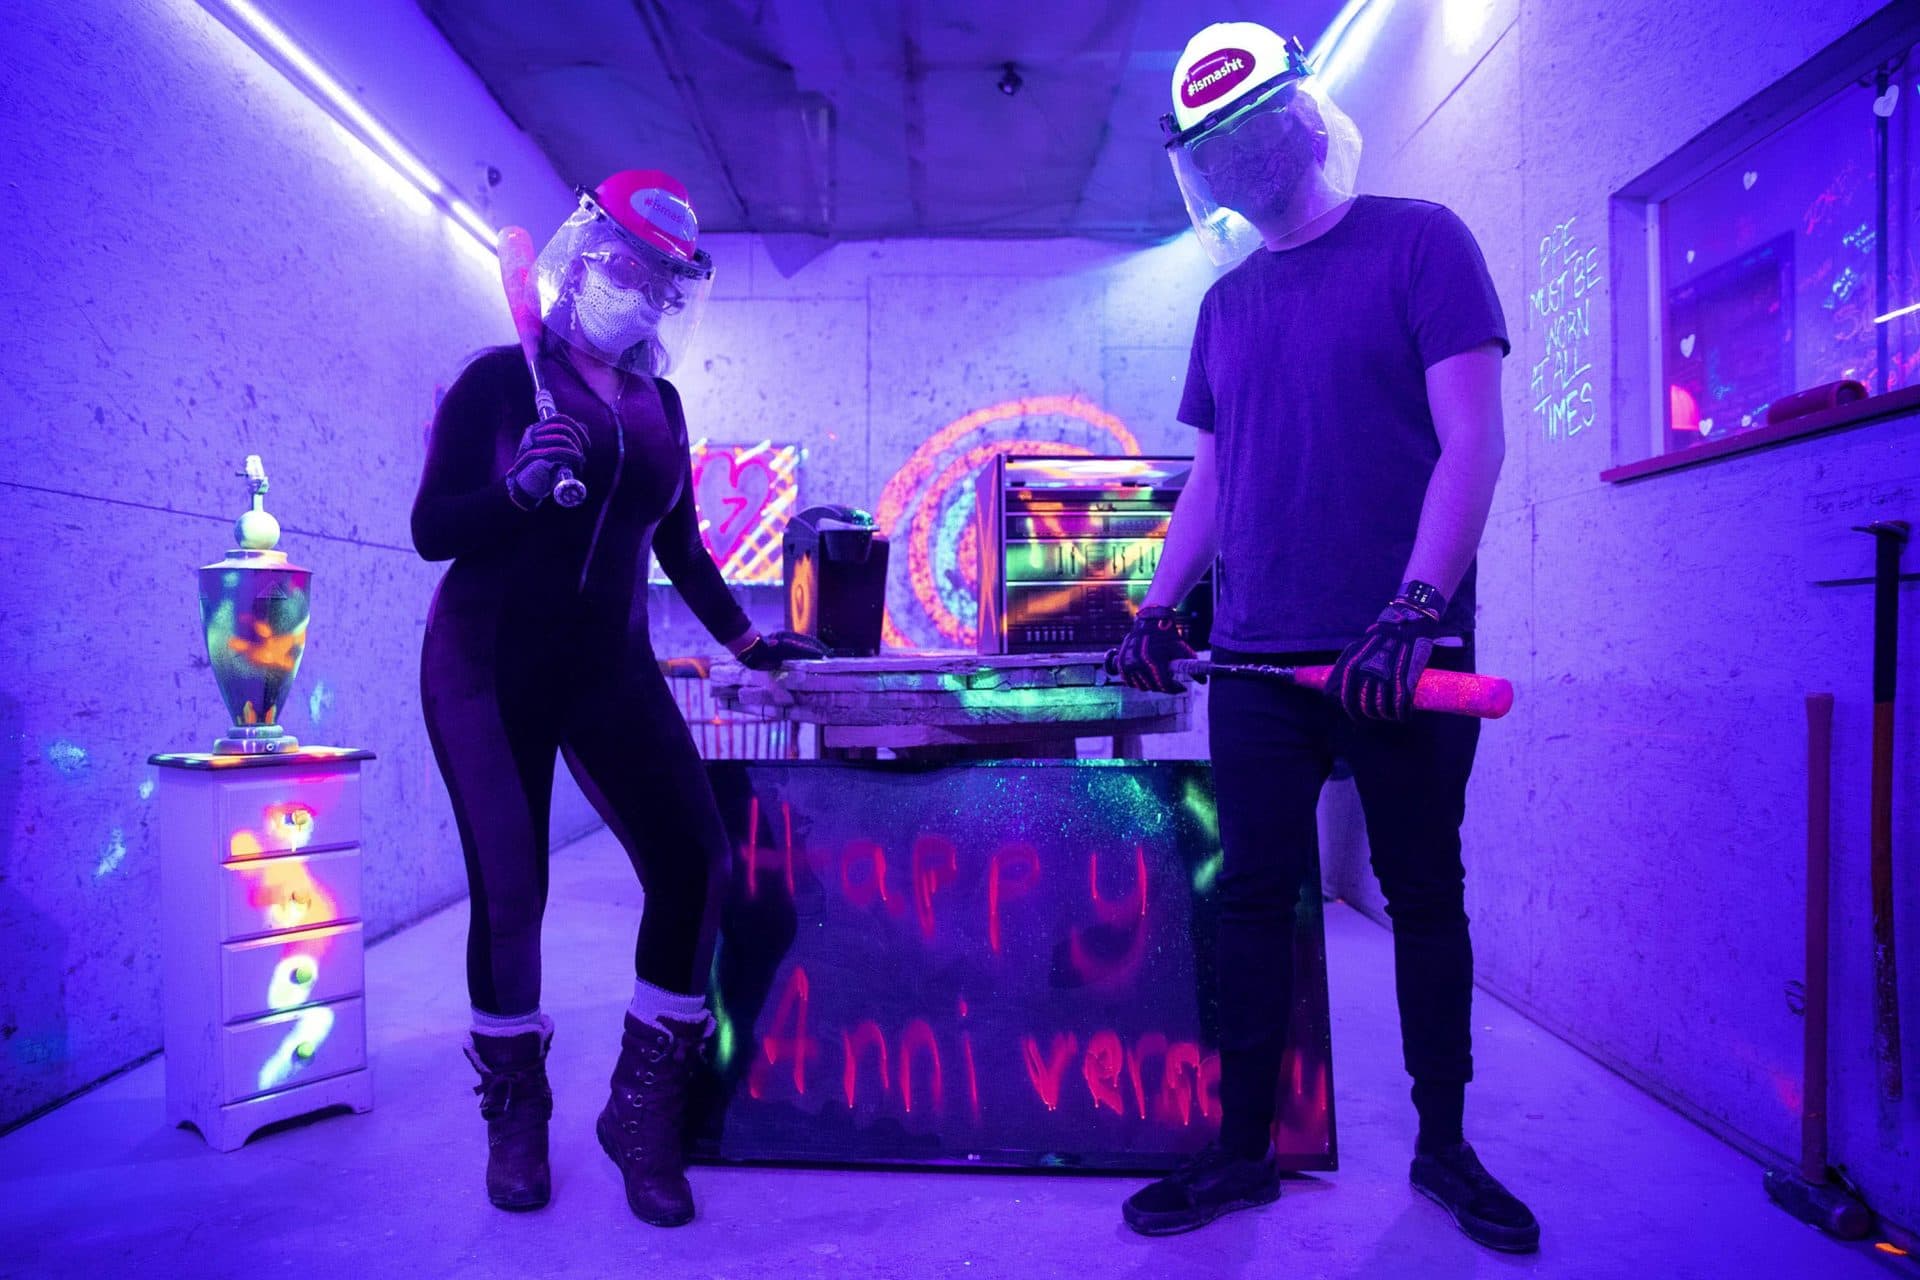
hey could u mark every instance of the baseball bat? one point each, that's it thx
(516, 279)
(1458, 693)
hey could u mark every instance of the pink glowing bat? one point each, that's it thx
(523, 303)
(1459, 693)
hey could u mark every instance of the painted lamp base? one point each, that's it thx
(256, 740)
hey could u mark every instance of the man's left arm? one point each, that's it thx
(1375, 676)
(1463, 392)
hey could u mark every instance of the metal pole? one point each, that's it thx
(1881, 305)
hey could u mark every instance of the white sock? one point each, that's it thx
(515, 1024)
(651, 1003)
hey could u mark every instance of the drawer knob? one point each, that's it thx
(299, 1047)
(296, 823)
(292, 908)
(292, 981)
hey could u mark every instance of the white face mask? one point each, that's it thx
(611, 318)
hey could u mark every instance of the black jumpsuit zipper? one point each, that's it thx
(619, 464)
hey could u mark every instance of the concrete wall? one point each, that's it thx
(869, 350)
(1636, 828)
(207, 266)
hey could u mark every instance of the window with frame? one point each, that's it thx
(1789, 265)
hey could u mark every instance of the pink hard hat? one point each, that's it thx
(653, 207)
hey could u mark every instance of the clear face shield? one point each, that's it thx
(618, 298)
(1264, 165)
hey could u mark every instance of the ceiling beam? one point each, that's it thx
(653, 16)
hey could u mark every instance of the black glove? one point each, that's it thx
(1374, 677)
(1150, 649)
(546, 447)
(768, 652)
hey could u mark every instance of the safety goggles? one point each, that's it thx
(656, 280)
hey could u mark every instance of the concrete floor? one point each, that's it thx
(1623, 1186)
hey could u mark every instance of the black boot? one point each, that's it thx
(1453, 1177)
(517, 1103)
(642, 1124)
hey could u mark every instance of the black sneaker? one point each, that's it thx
(1210, 1184)
(1453, 1178)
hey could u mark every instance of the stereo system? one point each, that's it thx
(1068, 547)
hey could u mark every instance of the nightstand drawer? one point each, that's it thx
(273, 895)
(287, 971)
(287, 1049)
(289, 810)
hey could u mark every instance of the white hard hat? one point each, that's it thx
(1224, 63)
(1231, 75)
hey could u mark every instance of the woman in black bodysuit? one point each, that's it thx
(537, 643)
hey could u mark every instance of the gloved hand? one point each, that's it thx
(1148, 652)
(768, 652)
(546, 447)
(1374, 677)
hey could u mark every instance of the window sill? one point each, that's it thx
(1859, 413)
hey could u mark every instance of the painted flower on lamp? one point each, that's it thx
(254, 607)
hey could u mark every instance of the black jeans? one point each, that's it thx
(1273, 746)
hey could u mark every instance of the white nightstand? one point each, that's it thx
(260, 938)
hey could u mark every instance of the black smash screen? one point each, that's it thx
(996, 964)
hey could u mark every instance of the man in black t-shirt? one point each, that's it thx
(1345, 385)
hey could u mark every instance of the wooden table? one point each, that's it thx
(950, 704)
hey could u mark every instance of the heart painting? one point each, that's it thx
(734, 496)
